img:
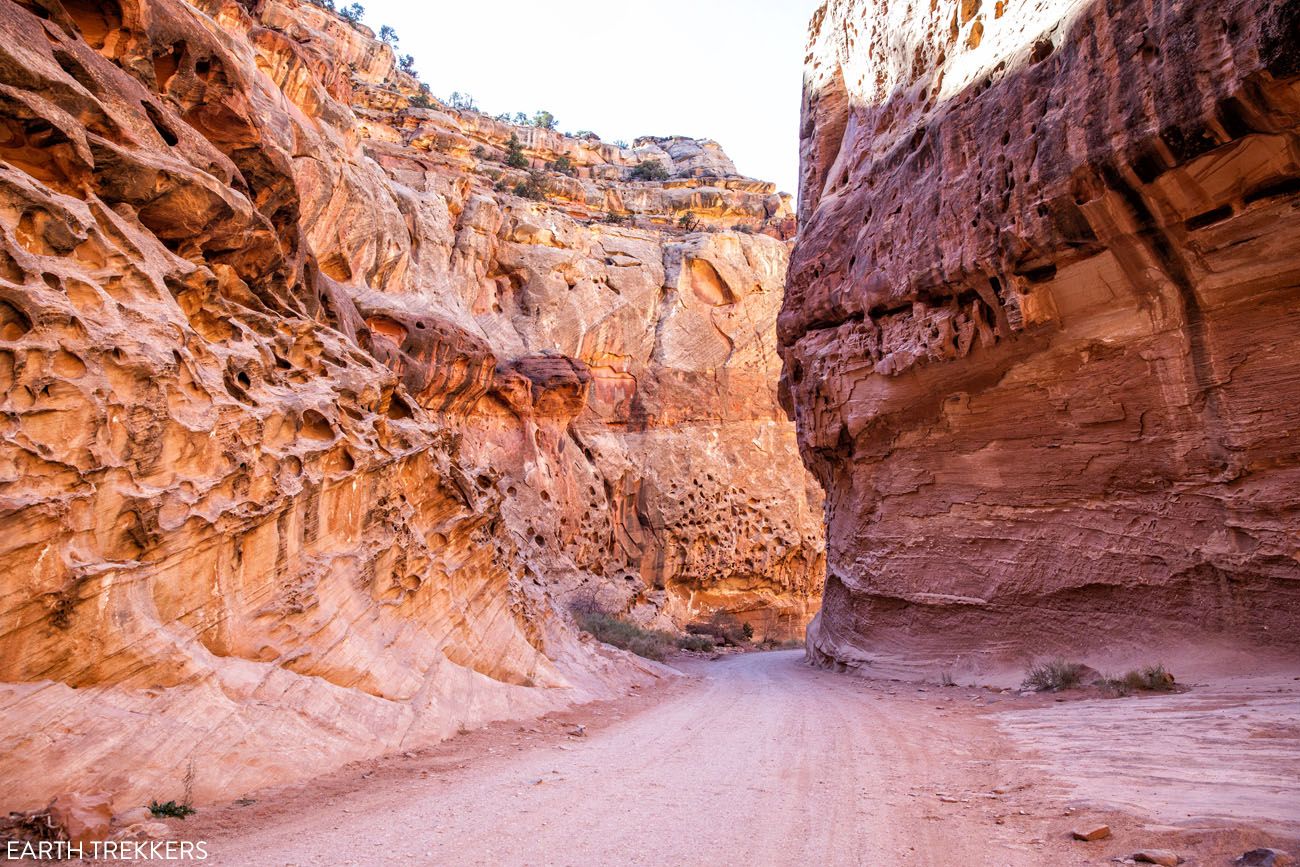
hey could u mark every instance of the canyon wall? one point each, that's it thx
(1040, 330)
(312, 430)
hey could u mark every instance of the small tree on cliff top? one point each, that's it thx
(463, 101)
(353, 14)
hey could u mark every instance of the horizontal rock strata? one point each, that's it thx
(1041, 322)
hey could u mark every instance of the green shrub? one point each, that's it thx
(564, 166)
(544, 120)
(1054, 676)
(689, 221)
(171, 809)
(352, 14)
(651, 170)
(515, 154)
(535, 188)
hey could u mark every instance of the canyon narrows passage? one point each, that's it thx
(333, 416)
(323, 401)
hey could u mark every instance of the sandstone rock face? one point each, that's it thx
(311, 430)
(1041, 322)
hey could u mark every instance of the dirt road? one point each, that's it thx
(757, 759)
(761, 760)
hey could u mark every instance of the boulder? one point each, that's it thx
(1265, 857)
(84, 818)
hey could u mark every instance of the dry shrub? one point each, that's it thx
(1151, 678)
(593, 617)
(1054, 676)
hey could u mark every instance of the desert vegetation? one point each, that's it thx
(650, 170)
(515, 153)
(1058, 675)
(1054, 675)
(719, 629)
(535, 187)
(171, 810)
(1150, 678)
(462, 101)
(654, 644)
(563, 165)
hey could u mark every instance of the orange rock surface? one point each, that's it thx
(1041, 324)
(311, 431)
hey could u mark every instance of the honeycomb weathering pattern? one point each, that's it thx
(310, 430)
(1041, 323)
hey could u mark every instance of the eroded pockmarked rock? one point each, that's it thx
(1040, 323)
(311, 429)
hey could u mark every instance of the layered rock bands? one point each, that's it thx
(1042, 323)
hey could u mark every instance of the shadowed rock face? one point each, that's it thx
(309, 433)
(1040, 324)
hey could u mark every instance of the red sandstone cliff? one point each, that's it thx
(1042, 321)
(311, 430)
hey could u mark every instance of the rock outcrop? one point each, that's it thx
(311, 430)
(1041, 322)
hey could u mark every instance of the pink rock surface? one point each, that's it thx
(1041, 321)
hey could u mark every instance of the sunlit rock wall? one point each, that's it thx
(310, 435)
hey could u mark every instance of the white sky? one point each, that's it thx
(729, 70)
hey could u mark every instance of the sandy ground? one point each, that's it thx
(759, 759)
(1226, 751)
